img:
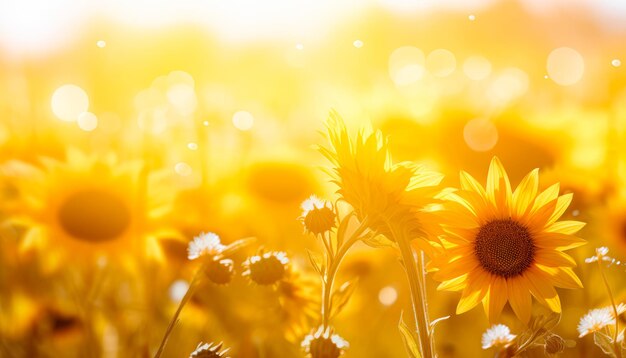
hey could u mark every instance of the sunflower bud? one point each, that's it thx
(324, 344)
(318, 216)
(267, 268)
(209, 350)
(554, 344)
(220, 272)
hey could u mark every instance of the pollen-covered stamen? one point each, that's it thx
(504, 248)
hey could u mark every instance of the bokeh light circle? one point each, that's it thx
(477, 68)
(87, 121)
(68, 102)
(183, 169)
(406, 65)
(387, 296)
(243, 120)
(480, 135)
(565, 66)
(441, 63)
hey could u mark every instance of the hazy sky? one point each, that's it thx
(35, 26)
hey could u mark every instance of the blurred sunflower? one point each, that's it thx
(87, 207)
(610, 223)
(503, 245)
(391, 196)
(298, 299)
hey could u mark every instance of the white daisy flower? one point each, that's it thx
(209, 350)
(601, 254)
(312, 203)
(498, 335)
(595, 320)
(324, 342)
(204, 244)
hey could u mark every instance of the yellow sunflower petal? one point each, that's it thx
(460, 236)
(460, 252)
(557, 241)
(566, 227)
(455, 269)
(546, 196)
(543, 291)
(478, 283)
(562, 204)
(470, 184)
(483, 209)
(526, 192)
(455, 284)
(538, 218)
(498, 186)
(456, 214)
(495, 299)
(32, 238)
(519, 297)
(554, 258)
(563, 277)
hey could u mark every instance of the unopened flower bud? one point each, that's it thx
(220, 272)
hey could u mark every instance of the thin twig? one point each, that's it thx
(182, 303)
(417, 292)
(618, 350)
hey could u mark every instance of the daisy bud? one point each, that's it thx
(220, 272)
(324, 344)
(267, 268)
(209, 350)
(554, 344)
(318, 215)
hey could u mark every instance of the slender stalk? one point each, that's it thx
(183, 302)
(328, 247)
(618, 350)
(335, 261)
(421, 268)
(418, 293)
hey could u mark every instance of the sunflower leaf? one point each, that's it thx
(433, 324)
(343, 227)
(317, 260)
(236, 245)
(377, 241)
(410, 340)
(539, 327)
(605, 343)
(342, 295)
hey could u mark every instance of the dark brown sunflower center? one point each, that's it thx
(504, 248)
(94, 216)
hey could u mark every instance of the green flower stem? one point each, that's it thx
(618, 350)
(414, 270)
(334, 263)
(183, 302)
(421, 264)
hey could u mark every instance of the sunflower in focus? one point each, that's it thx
(391, 197)
(88, 207)
(504, 245)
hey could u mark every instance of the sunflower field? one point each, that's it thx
(269, 179)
